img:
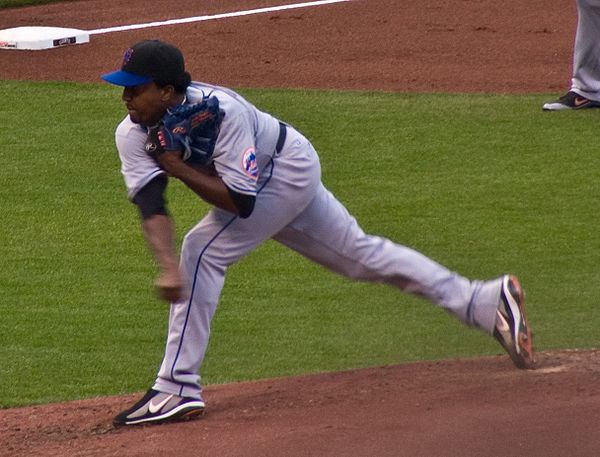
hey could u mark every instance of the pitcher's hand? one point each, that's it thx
(169, 286)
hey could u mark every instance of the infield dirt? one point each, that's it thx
(471, 407)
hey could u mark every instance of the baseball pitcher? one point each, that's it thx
(264, 180)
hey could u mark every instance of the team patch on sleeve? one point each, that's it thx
(249, 163)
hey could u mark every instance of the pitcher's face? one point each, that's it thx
(147, 103)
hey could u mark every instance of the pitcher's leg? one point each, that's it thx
(189, 319)
(327, 234)
(217, 242)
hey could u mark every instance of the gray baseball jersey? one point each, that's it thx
(292, 207)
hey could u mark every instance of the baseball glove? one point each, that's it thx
(191, 128)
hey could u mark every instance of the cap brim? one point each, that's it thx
(123, 78)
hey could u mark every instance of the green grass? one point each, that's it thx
(483, 184)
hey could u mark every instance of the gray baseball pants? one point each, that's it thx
(295, 209)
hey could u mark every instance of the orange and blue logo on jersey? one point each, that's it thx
(249, 163)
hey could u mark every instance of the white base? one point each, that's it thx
(41, 37)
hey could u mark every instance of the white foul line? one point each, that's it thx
(215, 16)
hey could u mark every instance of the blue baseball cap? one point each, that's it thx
(149, 60)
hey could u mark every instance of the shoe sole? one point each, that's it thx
(562, 107)
(556, 107)
(523, 356)
(180, 413)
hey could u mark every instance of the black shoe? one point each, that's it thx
(570, 100)
(512, 330)
(157, 407)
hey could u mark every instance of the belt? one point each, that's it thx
(281, 139)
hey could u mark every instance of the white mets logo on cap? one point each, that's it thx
(249, 162)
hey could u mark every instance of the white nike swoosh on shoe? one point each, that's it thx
(501, 322)
(516, 314)
(154, 408)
